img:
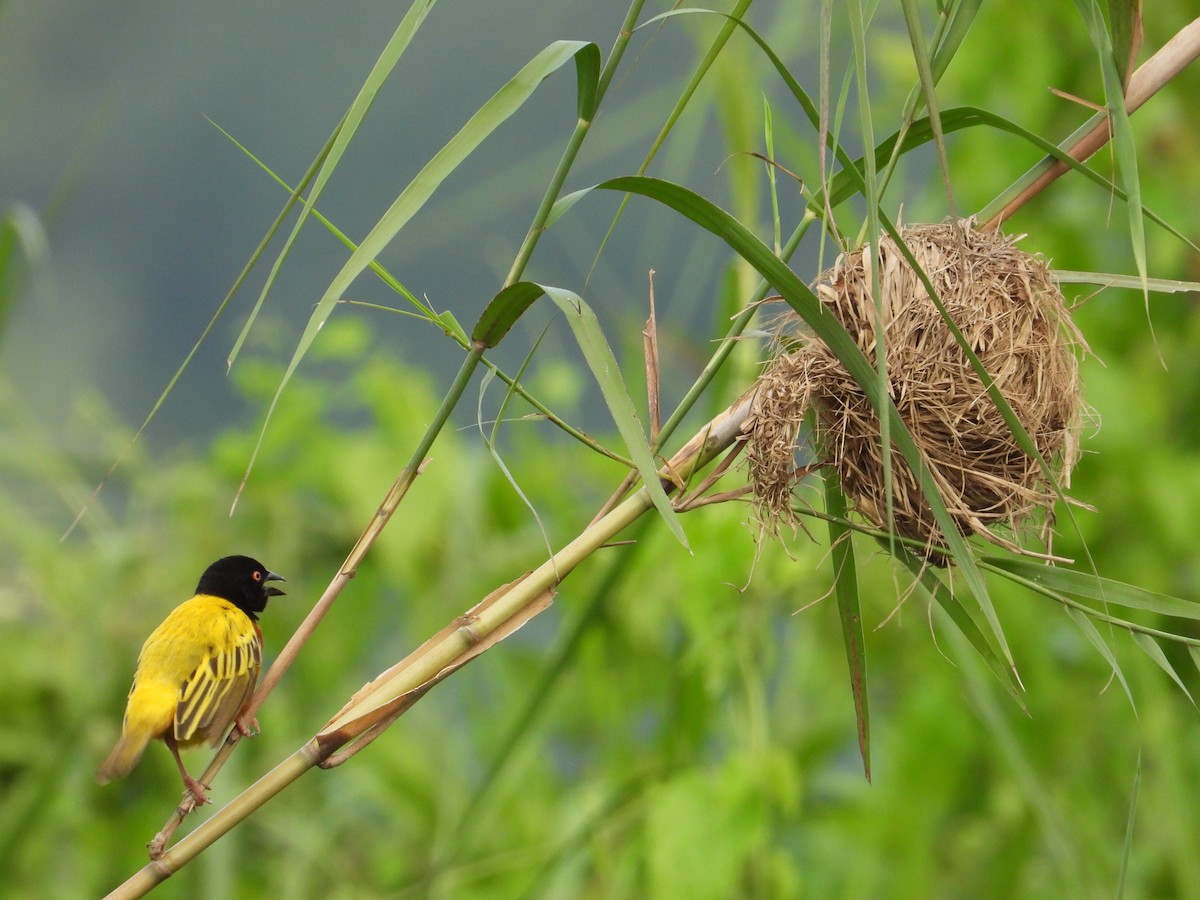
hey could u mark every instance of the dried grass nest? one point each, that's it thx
(1013, 316)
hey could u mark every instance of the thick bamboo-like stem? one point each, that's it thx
(1160, 68)
(380, 702)
(409, 473)
(287, 656)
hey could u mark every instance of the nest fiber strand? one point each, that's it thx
(1011, 314)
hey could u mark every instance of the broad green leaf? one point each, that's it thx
(503, 311)
(600, 360)
(1093, 587)
(564, 203)
(587, 78)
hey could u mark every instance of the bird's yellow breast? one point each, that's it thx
(195, 671)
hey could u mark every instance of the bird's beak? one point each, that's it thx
(274, 591)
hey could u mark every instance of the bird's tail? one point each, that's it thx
(123, 758)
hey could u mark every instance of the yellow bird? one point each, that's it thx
(197, 669)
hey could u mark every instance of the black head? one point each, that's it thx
(242, 581)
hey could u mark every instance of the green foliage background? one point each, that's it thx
(677, 724)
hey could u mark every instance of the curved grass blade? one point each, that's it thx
(826, 327)
(600, 359)
(490, 440)
(1155, 652)
(498, 109)
(1092, 633)
(958, 614)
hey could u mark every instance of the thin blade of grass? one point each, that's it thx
(1131, 817)
(845, 585)
(384, 275)
(498, 109)
(490, 440)
(953, 25)
(685, 97)
(259, 250)
(871, 252)
(1122, 135)
(361, 105)
(916, 36)
(733, 19)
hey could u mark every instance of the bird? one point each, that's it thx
(197, 670)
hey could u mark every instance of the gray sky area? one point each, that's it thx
(152, 212)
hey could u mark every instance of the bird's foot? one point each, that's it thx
(198, 791)
(246, 729)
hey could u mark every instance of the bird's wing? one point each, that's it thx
(220, 685)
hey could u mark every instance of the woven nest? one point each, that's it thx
(1013, 317)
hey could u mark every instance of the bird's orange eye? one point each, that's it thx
(258, 576)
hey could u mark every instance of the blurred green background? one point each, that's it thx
(672, 726)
